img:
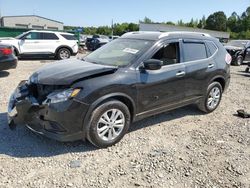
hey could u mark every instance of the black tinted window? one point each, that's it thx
(211, 47)
(50, 36)
(69, 37)
(169, 54)
(194, 51)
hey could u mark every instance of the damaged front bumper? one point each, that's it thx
(61, 121)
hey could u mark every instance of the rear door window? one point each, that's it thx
(193, 51)
(50, 36)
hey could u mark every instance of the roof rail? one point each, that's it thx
(137, 32)
(183, 32)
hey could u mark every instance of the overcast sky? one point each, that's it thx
(100, 12)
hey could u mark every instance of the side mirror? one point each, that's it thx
(152, 64)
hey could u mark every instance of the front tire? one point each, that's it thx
(63, 53)
(247, 69)
(109, 123)
(239, 60)
(212, 99)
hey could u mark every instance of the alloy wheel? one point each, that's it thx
(110, 124)
(213, 98)
(64, 54)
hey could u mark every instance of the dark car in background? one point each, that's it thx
(7, 58)
(239, 50)
(136, 76)
(96, 42)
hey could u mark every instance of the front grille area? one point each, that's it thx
(40, 91)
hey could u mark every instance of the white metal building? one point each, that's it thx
(169, 28)
(30, 22)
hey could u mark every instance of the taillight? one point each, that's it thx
(6, 51)
(228, 58)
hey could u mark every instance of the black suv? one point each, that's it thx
(239, 50)
(96, 42)
(138, 75)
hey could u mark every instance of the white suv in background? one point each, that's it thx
(34, 42)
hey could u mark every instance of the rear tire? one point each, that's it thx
(109, 123)
(63, 53)
(247, 69)
(212, 99)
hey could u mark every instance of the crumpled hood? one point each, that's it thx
(66, 72)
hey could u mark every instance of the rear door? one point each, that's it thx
(199, 66)
(49, 42)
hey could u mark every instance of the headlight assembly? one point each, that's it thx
(61, 96)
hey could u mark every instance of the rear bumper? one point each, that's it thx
(8, 63)
(62, 121)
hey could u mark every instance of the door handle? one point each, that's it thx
(180, 74)
(210, 66)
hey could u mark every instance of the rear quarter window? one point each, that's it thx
(69, 37)
(194, 51)
(212, 48)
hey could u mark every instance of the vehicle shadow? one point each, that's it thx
(23, 143)
(4, 74)
(166, 116)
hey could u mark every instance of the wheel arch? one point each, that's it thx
(124, 98)
(219, 79)
(64, 46)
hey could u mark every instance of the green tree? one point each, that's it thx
(180, 23)
(233, 22)
(133, 27)
(170, 23)
(217, 21)
(245, 20)
(104, 30)
(147, 20)
(192, 23)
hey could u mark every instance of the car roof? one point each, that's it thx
(146, 35)
(45, 31)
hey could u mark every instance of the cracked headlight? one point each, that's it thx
(61, 96)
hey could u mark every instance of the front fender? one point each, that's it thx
(87, 119)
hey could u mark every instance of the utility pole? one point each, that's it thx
(0, 9)
(0, 13)
(112, 27)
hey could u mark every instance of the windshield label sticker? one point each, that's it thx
(130, 50)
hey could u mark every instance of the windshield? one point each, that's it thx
(237, 43)
(120, 52)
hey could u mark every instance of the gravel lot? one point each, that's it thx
(181, 148)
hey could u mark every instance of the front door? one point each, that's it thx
(159, 89)
(31, 43)
(247, 56)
